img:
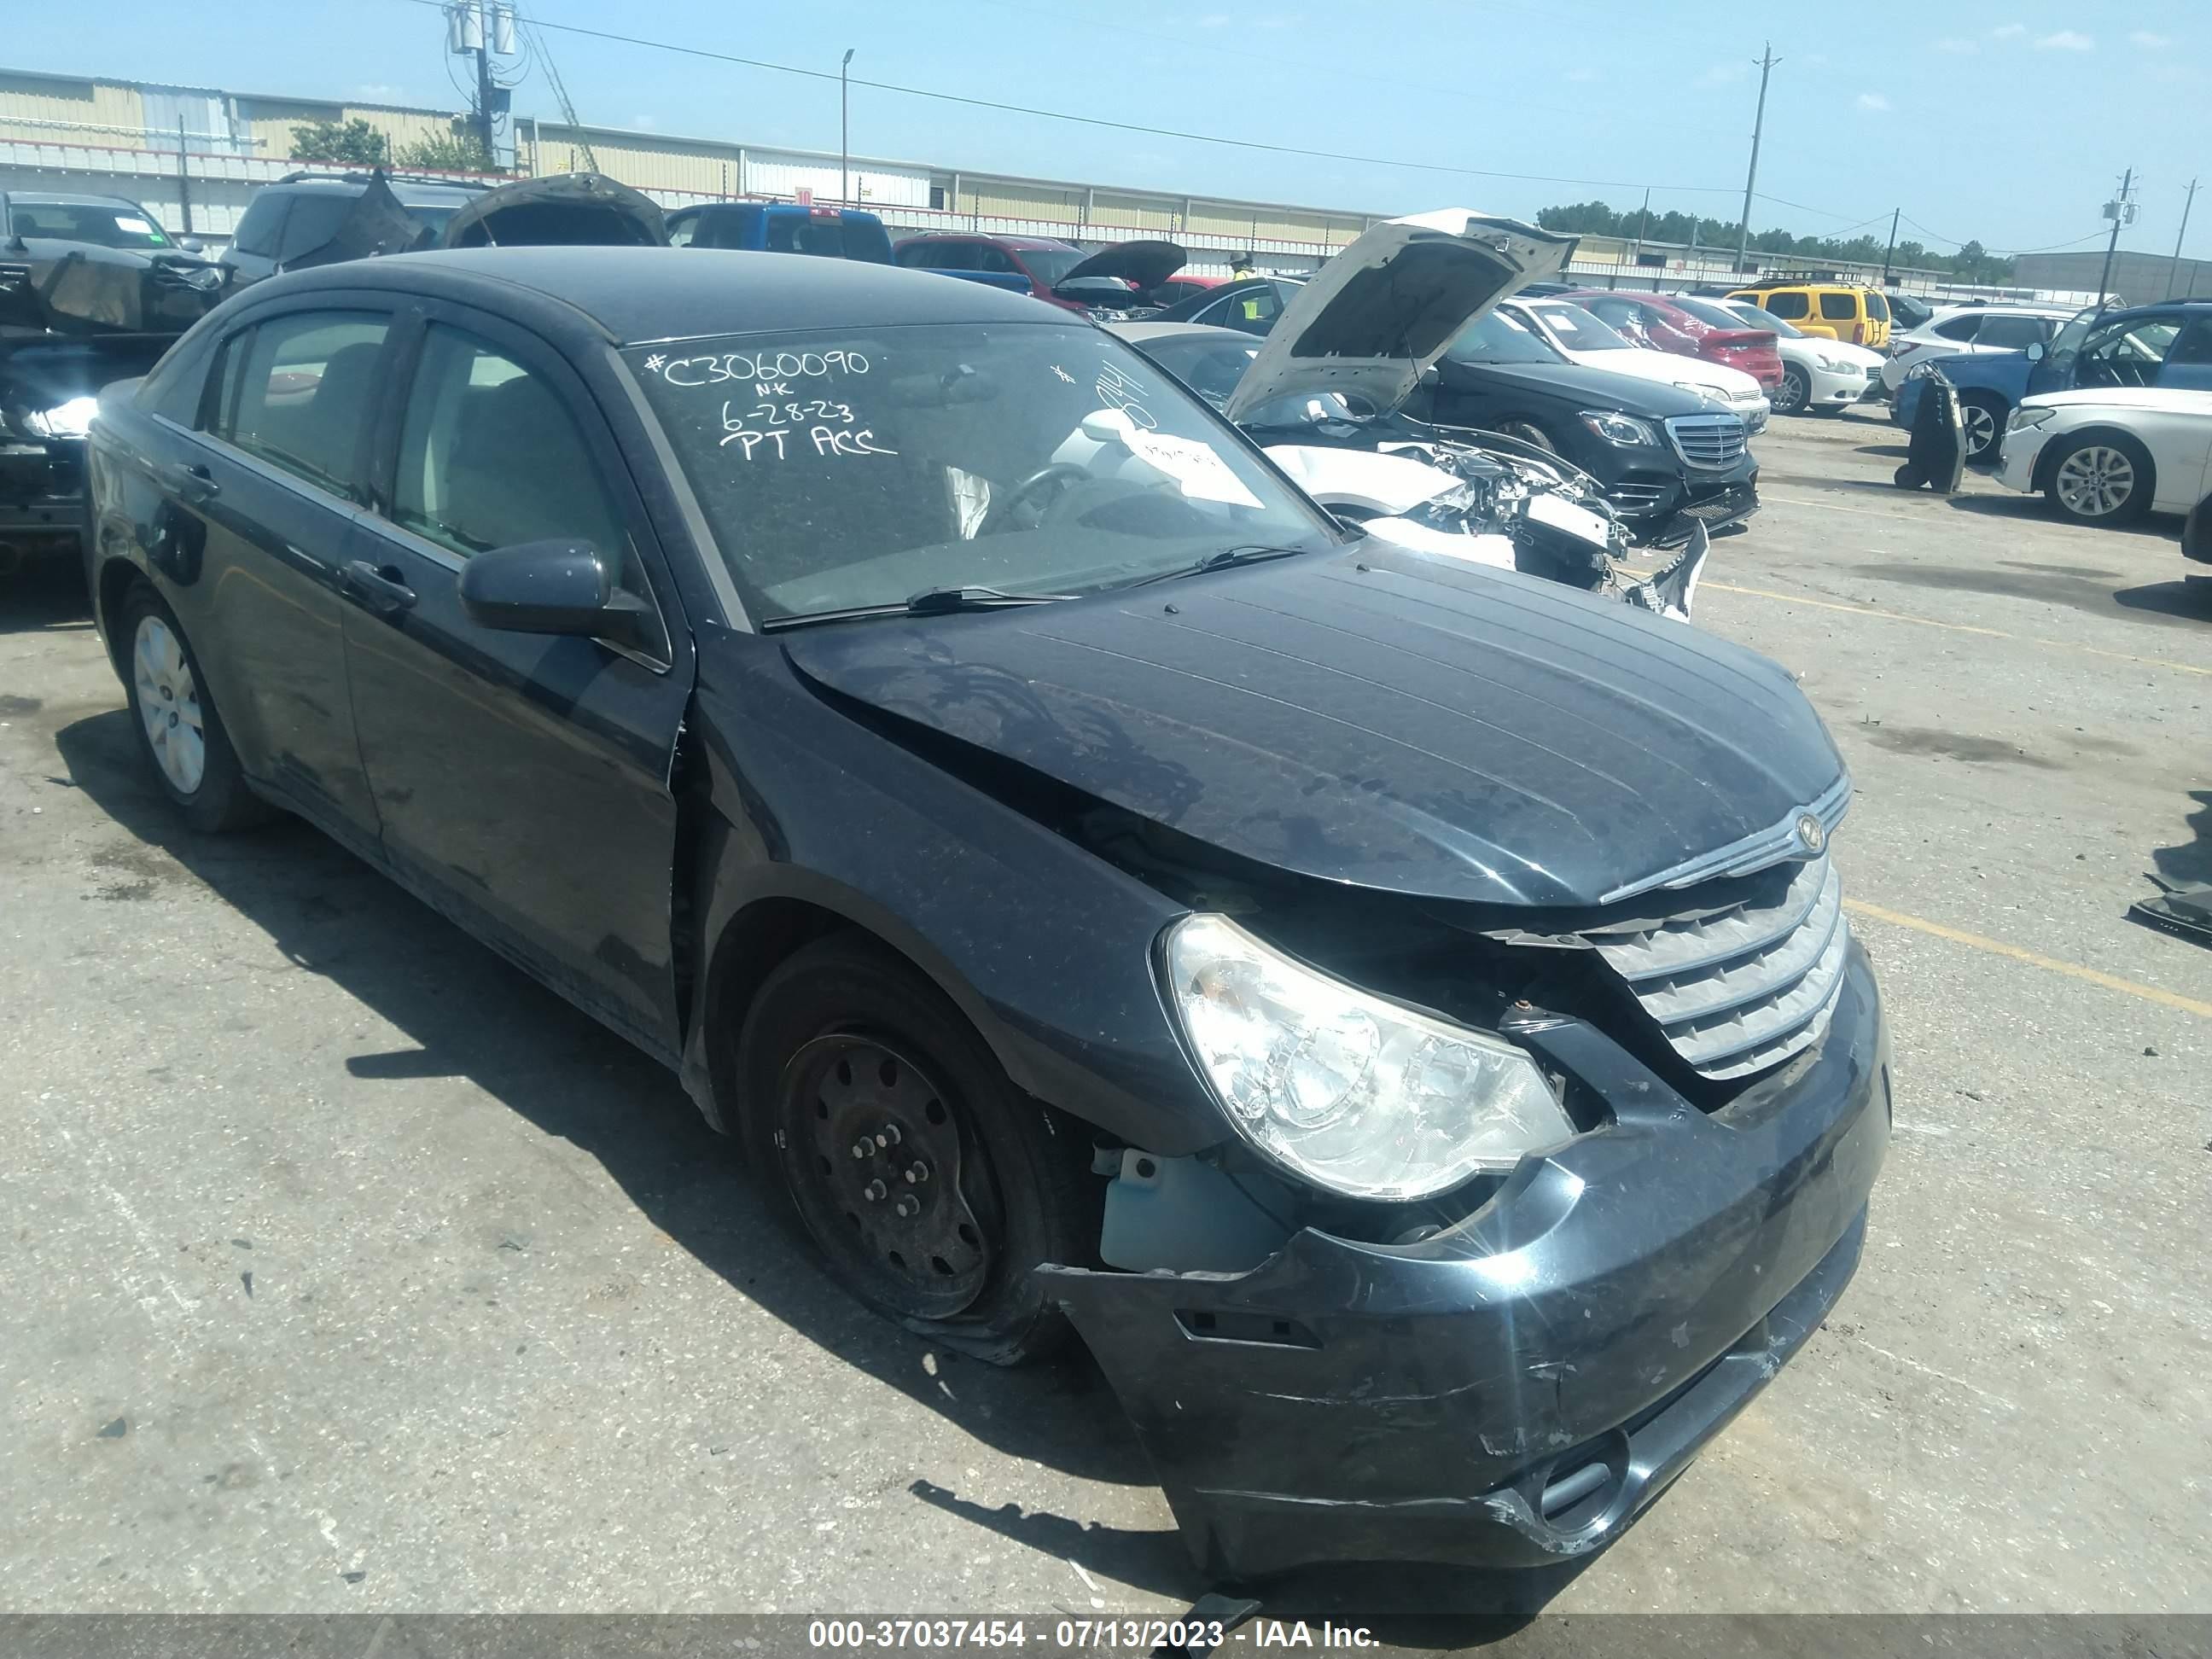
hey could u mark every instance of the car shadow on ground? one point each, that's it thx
(2013, 504)
(468, 1014)
(45, 595)
(1896, 452)
(2183, 603)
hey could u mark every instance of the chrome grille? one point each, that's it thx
(1635, 497)
(1743, 988)
(1710, 441)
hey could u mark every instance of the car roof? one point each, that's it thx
(1155, 333)
(410, 192)
(986, 236)
(641, 294)
(66, 199)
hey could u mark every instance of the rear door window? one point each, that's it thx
(300, 391)
(1788, 306)
(1839, 307)
(1252, 306)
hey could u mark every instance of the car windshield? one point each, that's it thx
(103, 224)
(1210, 364)
(1756, 316)
(1501, 337)
(856, 468)
(1578, 329)
(432, 219)
(1050, 264)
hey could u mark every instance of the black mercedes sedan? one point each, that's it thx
(1665, 456)
(1398, 1012)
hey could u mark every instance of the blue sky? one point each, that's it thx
(2009, 124)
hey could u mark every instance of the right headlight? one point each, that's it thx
(1352, 1093)
(1618, 429)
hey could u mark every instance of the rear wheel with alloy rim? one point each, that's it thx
(1794, 392)
(887, 1131)
(1981, 421)
(2100, 480)
(177, 724)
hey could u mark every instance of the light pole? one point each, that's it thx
(845, 129)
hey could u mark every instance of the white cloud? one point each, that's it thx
(2065, 41)
(1873, 100)
(2149, 41)
(1582, 73)
(2008, 32)
(1953, 43)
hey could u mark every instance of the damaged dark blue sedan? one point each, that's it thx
(1398, 1012)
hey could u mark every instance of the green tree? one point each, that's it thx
(1973, 263)
(459, 152)
(354, 141)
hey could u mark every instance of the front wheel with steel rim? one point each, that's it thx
(1796, 391)
(884, 1127)
(2100, 480)
(177, 727)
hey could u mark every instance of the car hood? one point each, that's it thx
(1371, 717)
(1586, 387)
(2164, 400)
(1146, 265)
(1381, 312)
(567, 209)
(81, 288)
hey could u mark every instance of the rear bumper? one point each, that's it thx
(1513, 1390)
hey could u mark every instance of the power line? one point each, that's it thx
(1103, 121)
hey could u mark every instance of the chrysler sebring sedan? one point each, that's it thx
(1398, 1013)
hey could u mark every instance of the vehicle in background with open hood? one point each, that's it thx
(92, 290)
(1111, 285)
(1330, 419)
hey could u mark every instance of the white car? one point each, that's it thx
(1819, 376)
(2111, 454)
(1971, 330)
(1584, 337)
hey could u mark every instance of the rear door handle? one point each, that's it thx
(379, 591)
(190, 483)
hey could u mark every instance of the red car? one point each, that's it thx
(1688, 327)
(1038, 263)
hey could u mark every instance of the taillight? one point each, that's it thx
(1858, 333)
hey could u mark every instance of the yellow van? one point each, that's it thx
(1835, 311)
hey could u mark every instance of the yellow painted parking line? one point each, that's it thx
(2051, 964)
(1957, 628)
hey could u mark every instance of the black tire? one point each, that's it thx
(2113, 463)
(1529, 433)
(216, 799)
(1021, 1192)
(1797, 392)
(1981, 426)
(1906, 478)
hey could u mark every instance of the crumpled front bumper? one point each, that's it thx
(1511, 1391)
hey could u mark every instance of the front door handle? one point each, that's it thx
(381, 591)
(190, 483)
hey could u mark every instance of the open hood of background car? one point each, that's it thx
(568, 209)
(1381, 312)
(1379, 718)
(1147, 264)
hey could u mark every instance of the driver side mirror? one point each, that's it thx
(556, 587)
(2035, 351)
(191, 245)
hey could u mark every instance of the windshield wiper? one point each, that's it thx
(1221, 559)
(932, 600)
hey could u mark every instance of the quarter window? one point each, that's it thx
(299, 390)
(1960, 328)
(490, 455)
(1839, 307)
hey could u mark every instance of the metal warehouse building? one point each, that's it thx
(2138, 278)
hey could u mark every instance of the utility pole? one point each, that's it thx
(484, 99)
(1643, 218)
(2120, 211)
(845, 128)
(2173, 270)
(1767, 60)
(185, 183)
(1890, 252)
